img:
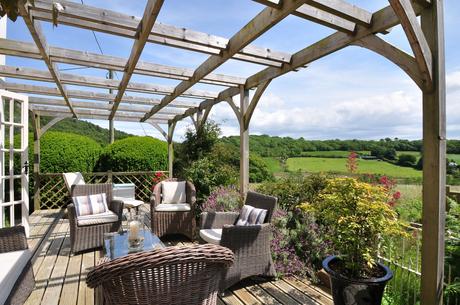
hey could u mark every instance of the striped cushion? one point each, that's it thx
(91, 204)
(251, 216)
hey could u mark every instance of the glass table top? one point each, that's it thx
(116, 244)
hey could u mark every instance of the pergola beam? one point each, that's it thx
(87, 95)
(256, 27)
(98, 82)
(93, 60)
(143, 31)
(120, 24)
(90, 113)
(313, 14)
(40, 41)
(382, 20)
(344, 10)
(95, 105)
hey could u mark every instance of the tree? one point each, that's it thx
(407, 160)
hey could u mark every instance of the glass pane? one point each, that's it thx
(7, 137)
(17, 189)
(6, 217)
(17, 163)
(6, 109)
(17, 214)
(17, 111)
(17, 137)
(6, 190)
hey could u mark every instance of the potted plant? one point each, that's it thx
(358, 217)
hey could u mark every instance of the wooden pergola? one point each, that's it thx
(354, 27)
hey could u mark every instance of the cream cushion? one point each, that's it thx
(212, 236)
(173, 207)
(73, 179)
(173, 192)
(13, 263)
(97, 219)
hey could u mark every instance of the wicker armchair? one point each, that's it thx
(90, 235)
(169, 276)
(173, 222)
(250, 244)
(14, 240)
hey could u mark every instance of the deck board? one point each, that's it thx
(61, 276)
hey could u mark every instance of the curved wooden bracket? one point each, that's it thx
(49, 125)
(205, 115)
(400, 58)
(255, 99)
(423, 56)
(236, 109)
(158, 127)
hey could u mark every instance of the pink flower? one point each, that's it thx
(397, 195)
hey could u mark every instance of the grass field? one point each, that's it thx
(316, 165)
(273, 165)
(331, 154)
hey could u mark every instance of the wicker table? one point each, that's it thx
(116, 244)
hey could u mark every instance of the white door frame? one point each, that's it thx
(7, 179)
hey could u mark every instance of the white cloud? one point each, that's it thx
(453, 81)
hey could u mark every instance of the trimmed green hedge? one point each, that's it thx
(67, 152)
(135, 154)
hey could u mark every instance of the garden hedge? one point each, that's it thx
(67, 152)
(135, 154)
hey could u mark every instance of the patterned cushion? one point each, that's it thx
(173, 192)
(97, 219)
(91, 204)
(251, 216)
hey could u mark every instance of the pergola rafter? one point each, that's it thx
(252, 30)
(145, 27)
(355, 27)
(93, 60)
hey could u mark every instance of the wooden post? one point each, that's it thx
(244, 143)
(37, 135)
(171, 127)
(111, 127)
(434, 161)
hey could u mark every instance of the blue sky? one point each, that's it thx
(350, 94)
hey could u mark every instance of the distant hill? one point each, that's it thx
(272, 146)
(95, 132)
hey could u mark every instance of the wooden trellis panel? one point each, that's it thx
(54, 194)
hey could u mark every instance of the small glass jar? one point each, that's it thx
(136, 232)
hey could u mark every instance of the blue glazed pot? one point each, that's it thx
(346, 291)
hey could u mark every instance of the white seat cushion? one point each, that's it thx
(212, 236)
(97, 219)
(173, 192)
(13, 263)
(173, 207)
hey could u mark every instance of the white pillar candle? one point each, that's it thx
(134, 227)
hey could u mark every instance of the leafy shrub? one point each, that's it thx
(223, 199)
(357, 215)
(208, 173)
(407, 160)
(294, 189)
(67, 152)
(135, 154)
(384, 153)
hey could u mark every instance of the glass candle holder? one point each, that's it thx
(136, 232)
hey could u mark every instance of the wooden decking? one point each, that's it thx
(60, 276)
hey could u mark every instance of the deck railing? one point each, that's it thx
(403, 256)
(53, 194)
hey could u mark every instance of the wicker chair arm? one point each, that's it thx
(13, 239)
(236, 237)
(72, 214)
(217, 220)
(116, 206)
(161, 257)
